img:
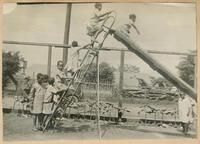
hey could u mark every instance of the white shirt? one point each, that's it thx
(48, 97)
(94, 20)
(59, 75)
(73, 62)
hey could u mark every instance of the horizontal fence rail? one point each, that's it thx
(103, 49)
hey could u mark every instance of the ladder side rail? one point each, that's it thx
(83, 75)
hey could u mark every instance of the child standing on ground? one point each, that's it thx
(37, 94)
(184, 109)
(26, 87)
(48, 99)
(94, 26)
(44, 85)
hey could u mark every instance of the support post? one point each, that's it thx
(66, 33)
(49, 61)
(195, 72)
(121, 83)
(24, 67)
(97, 88)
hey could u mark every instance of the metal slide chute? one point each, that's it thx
(122, 36)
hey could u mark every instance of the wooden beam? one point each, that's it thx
(98, 99)
(121, 84)
(37, 44)
(149, 51)
(121, 36)
(170, 53)
(121, 70)
(66, 33)
(195, 72)
(49, 61)
(102, 49)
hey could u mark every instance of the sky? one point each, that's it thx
(163, 27)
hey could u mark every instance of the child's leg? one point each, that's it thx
(40, 119)
(23, 112)
(25, 109)
(186, 128)
(182, 125)
(95, 35)
(45, 120)
(35, 121)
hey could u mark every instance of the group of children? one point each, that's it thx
(42, 95)
(44, 91)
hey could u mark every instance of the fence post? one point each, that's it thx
(97, 89)
(49, 61)
(66, 32)
(195, 72)
(121, 83)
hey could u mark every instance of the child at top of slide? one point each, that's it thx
(131, 23)
(94, 24)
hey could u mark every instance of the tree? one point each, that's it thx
(106, 73)
(11, 65)
(131, 68)
(186, 69)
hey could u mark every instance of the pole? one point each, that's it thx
(121, 83)
(66, 33)
(102, 49)
(49, 61)
(98, 117)
(195, 72)
(24, 67)
(37, 44)
(148, 51)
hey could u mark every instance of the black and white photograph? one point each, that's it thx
(99, 71)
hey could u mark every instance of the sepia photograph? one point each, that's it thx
(99, 71)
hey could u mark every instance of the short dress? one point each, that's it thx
(48, 100)
(184, 106)
(37, 92)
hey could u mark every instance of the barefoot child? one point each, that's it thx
(48, 100)
(37, 94)
(26, 87)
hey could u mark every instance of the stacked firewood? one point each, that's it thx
(150, 93)
(90, 107)
(158, 113)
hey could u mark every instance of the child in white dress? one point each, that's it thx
(37, 94)
(48, 99)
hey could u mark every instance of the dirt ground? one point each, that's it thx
(17, 128)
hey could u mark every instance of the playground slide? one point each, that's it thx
(124, 38)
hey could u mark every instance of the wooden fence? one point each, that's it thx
(89, 89)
